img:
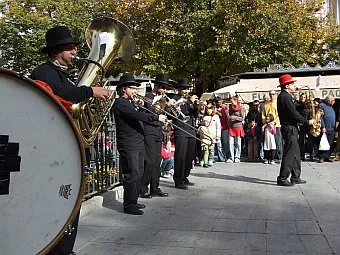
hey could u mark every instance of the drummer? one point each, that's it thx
(61, 50)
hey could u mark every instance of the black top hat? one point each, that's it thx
(162, 79)
(58, 36)
(183, 83)
(127, 80)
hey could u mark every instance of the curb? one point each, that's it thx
(99, 200)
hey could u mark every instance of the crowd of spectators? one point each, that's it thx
(230, 131)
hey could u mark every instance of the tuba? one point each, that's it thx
(110, 42)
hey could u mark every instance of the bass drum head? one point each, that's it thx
(45, 192)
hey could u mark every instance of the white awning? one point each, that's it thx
(207, 96)
(254, 89)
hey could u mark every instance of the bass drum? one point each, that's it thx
(42, 184)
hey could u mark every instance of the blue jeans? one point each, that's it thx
(167, 164)
(225, 143)
(235, 147)
(279, 143)
(216, 147)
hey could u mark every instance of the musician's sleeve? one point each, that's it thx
(129, 111)
(74, 94)
(63, 88)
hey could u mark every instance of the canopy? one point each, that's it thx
(207, 96)
(254, 89)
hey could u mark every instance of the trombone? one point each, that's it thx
(161, 110)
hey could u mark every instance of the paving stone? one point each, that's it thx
(233, 209)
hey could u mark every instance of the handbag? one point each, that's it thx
(324, 144)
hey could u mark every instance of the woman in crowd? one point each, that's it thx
(235, 119)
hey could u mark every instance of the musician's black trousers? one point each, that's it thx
(153, 158)
(66, 244)
(291, 162)
(132, 164)
(184, 155)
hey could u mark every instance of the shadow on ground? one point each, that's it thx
(239, 178)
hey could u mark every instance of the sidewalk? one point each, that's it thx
(233, 209)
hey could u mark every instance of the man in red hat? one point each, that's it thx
(289, 118)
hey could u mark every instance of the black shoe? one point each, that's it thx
(298, 181)
(72, 253)
(284, 183)
(133, 211)
(140, 206)
(311, 159)
(181, 186)
(328, 160)
(159, 194)
(205, 165)
(188, 183)
(146, 195)
(320, 160)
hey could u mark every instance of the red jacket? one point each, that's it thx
(223, 118)
(166, 153)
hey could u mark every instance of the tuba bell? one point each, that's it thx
(110, 42)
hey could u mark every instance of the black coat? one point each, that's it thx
(153, 128)
(303, 109)
(129, 123)
(287, 112)
(60, 83)
(189, 112)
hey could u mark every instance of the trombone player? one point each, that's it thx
(61, 49)
(184, 135)
(153, 137)
(130, 141)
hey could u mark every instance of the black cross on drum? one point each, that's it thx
(9, 162)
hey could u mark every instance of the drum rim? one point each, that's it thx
(81, 193)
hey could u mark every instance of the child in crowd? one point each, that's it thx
(269, 146)
(215, 134)
(253, 134)
(197, 123)
(167, 152)
(204, 134)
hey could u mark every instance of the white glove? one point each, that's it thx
(156, 98)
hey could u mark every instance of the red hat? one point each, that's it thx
(285, 80)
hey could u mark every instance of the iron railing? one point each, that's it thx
(102, 170)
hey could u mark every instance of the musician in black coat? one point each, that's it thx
(130, 141)
(185, 141)
(153, 135)
(61, 50)
(289, 118)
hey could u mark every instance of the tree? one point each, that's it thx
(24, 24)
(200, 39)
(205, 39)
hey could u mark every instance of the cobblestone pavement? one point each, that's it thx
(233, 209)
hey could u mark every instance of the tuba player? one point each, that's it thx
(61, 49)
